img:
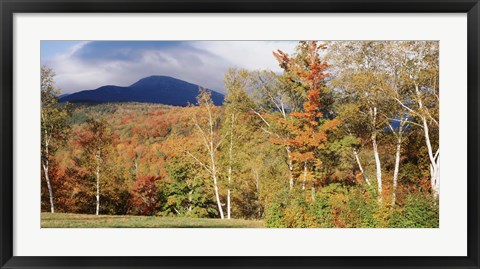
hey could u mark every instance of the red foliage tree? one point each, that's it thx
(144, 195)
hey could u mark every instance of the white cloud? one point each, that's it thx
(248, 54)
(200, 62)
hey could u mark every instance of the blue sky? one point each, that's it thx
(83, 65)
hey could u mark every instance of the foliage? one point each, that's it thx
(420, 210)
(187, 194)
(144, 196)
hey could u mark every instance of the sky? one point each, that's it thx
(85, 65)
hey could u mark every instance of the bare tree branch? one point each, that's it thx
(200, 162)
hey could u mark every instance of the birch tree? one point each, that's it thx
(363, 86)
(360, 73)
(237, 102)
(275, 98)
(353, 124)
(396, 115)
(54, 127)
(95, 141)
(401, 72)
(398, 133)
(420, 85)
(206, 124)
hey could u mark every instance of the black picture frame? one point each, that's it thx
(9, 7)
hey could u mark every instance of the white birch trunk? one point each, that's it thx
(50, 192)
(378, 167)
(215, 184)
(46, 167)
(436, 184)
(360, 167)
(214, 169)
(399, 135)
(217, 197)
(376, 155)
(287, 148)
(397, 168)
(434, 161)
(433, 157)
(97, 173)
(228, 204)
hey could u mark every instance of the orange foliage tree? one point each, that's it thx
(309, 127)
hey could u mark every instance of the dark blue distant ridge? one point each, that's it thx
(154, 89)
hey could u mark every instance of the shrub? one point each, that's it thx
(322, 211)
(360, 209)
(274, 215)
(419, 211)
(298, 213)
(290, 209)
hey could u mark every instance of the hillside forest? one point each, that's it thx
(346, 136)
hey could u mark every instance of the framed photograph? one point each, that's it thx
(252, 134)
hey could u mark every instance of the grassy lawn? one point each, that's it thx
(61, 220)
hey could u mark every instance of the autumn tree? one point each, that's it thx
(54, 127)
(392, 82)
(310, 127)
(353, 125)
(397, 116)
(95, 141)
(419, 95)
(187, 193)
(275, 97)
(206, 122)
(144, 196)
(362, 77)
(237, 103)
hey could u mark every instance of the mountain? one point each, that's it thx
(63, 95)
(154, 89)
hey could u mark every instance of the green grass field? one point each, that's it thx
(61, 220)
